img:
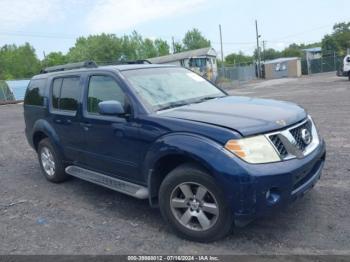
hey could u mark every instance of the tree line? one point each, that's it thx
(332, 44)
(18, 62)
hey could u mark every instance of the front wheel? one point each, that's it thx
(193, 204)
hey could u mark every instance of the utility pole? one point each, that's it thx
(222, 51)
(173, 41)
(264, 43)
(258, 47)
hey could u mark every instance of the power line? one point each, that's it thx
(39, 35)
(303, 32)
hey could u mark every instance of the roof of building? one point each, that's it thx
(313, 49)
(208, 51)
(281, 60)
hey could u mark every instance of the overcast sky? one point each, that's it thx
(53, 25)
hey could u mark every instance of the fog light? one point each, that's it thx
(272, 196)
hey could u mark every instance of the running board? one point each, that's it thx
(109, 182)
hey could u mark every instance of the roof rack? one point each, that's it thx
(85, 64)
(140, 61)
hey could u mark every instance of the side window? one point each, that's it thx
(35, 92)
(70, 93)
(56, 92)
(102, 88)
(66, 93)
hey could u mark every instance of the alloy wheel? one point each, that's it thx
(47, 161)
(194, 206)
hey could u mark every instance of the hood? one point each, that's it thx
(246, 115)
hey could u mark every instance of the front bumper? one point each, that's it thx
(285, 181)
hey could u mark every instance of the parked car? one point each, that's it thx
(345, 67)
(163, 133)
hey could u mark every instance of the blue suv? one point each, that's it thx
(163, 133)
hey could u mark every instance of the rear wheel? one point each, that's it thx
(51, 162)
(194, 205)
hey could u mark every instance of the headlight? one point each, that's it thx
(255, 150)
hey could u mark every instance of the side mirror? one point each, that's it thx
(110, 108)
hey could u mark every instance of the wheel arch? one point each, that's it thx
(42, 129)
(174, 150)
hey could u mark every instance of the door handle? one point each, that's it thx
(86, 125)
(58, 121)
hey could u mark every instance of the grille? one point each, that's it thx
(279, 145)
(296, 133)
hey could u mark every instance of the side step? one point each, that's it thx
(109, 182)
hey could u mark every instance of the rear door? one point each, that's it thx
(65, 109)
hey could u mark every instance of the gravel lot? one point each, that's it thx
(76, 217)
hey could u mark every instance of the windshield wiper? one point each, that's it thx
(203, 99)
(178, 104)
(172, 105)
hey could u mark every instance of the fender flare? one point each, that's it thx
(44, 126)
(208, 153)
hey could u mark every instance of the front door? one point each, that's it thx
(111, 141)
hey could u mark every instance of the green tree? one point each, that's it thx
(18, 62)
(329, 43)
(162, 47)
(339, 40)
(108, 48)
(292, 51)
(54, 58)
(194, 40)
(100, 48)
(239, 58)
(178, 47)
(269, 54)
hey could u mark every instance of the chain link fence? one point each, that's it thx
(239, 73)
(327, 63)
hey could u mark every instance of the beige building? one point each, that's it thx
(283, 67)
(203, 61)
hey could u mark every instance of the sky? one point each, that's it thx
(53, 25)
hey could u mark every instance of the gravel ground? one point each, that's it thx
(76, 217)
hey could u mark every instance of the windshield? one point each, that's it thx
(163, 88)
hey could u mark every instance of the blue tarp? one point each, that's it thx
(18, 88)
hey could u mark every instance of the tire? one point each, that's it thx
(349, 75)
(51, 162)
(194, 217)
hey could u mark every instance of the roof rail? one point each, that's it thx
(140, 61)
(85, 64)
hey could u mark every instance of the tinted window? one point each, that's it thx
(56, 90)
(103, 88)
(35, 92)
(70, 93)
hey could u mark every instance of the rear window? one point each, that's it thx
(66, 93)
(35, 92)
